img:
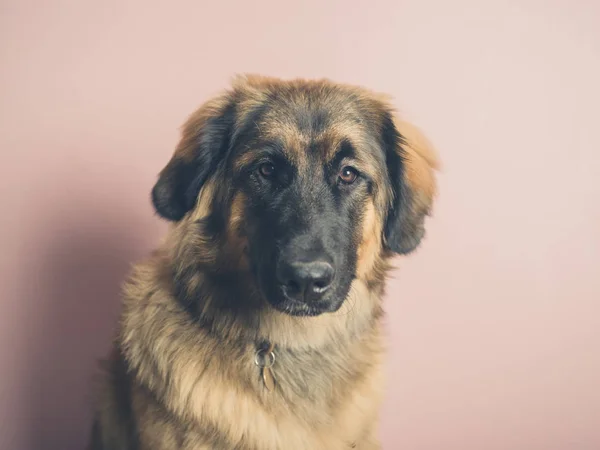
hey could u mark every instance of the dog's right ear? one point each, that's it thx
(204, 143)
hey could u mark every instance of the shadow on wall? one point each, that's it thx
(77, 299)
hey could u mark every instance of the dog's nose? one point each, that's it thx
(305, 281)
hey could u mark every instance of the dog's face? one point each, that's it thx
(310, 177)
(308, 174)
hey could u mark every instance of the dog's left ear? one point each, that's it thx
(411, 163)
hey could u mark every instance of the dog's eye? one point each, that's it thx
(267, 170)
(348, 175)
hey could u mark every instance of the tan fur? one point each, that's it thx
(196, 386)
(215, 382)
(421, 160)
(370, 247)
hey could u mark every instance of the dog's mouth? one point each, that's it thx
(278, 299)
(299, 308)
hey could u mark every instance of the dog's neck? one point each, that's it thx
(173, 351)
(146, 337)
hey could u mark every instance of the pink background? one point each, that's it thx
(495, 323)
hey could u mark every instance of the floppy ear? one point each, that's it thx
(411, 162)
(204, 142)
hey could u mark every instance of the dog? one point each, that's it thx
(257, 324)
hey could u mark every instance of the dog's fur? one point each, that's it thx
(182, 374)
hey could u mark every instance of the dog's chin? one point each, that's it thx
(302, 309)
(282, 303)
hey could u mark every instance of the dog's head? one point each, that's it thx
(305, 185)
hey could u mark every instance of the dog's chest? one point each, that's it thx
(322, 399)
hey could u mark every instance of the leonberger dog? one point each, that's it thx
(258, 322)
